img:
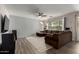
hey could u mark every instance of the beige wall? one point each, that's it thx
(24, 26)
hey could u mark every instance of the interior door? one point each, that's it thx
(77, 27)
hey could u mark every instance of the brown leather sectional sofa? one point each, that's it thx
(57, 39)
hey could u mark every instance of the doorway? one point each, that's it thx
(77, 28)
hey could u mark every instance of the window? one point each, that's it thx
(56, 25)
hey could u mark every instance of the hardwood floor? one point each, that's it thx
(70, 48)
(23, 47)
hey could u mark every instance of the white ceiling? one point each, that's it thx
(48, 9)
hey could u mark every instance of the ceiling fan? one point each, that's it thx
(41, 14)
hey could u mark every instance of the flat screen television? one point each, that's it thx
(6, 23)
(2, 23)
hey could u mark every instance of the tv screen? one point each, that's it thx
(2, 23)
(6, 23)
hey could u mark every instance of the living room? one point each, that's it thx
(40, 28)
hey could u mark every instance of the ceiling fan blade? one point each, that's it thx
(44, 15)
(40, 14)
